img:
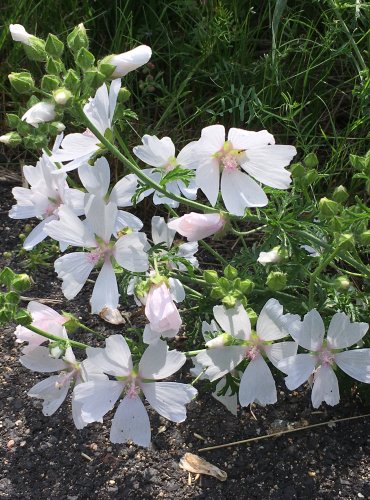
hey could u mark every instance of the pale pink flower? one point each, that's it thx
(197, 226)
(39, 113)
(131, 421)
(129, 61)
(324, 354)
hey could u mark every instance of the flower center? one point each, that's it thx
(252, 352)
(103, 252)
(326, 357)
(170, 165)
(53, 206)
(67, 377)
(228, 157)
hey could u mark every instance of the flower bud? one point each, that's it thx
(53, 46)
(310, 177)
(58, 127)
(365, 237)
(50, 83)
(210, 276)
(328, 208)
(85, 59)
(62, 96)
(123, 95)
(54, 66)
(217, 293)
(13, 120)
(252, 315)
(346, 241)
(311, 160)
(297, 170)
(342, 283)
(197, 226)
(276, 281)
(21, 283)
(77, 39)
(55, 350)
(22, 82)
(230, 272)
(36, 50)
(272, 257)
(358, 162)
(340, 194)
(92, 79)
(246, 286)
(219, 341)
(229, 301)
(19, 34)
(71, 324)
(11, 139)
(72, 81)
(128, 61)
(39, 113)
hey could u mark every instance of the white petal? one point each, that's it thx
(158, 362)
(150, 336)
(169, 398)
(257, 384)
(97, 397)
(74, 269)
(266, 164)
(124, 190)
(161, 232)
(220, 361)
(160, 199)
(247, 139)
(234, 321)
(280, 350)
(51, 392)
(76, 414)
(97, 109)
(356, 363)
(310, 332)
(177, 290)
(75, 146)
(230, 401)
(131, 422)
(342, 333)
(127, 220)
(105, 293)
(39, 360)
(114, 359)
(155, 152)
(187, 156)
(325, 387)
(37, 234)
(70, 229)
(298, 368)
(214, 137)
(114, 89)
(239, 191)
(100, 216)
(95, 178)
(208, 180)
(269, 324)
(130, 252)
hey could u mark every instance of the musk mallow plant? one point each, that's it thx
(247, 215)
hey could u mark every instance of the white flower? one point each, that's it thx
(254, 152)
(257, 383)
(43, 317)
(96, 179)
(271, 257)
(131, 420)
(77, 148)
(39, 113)
(324, 355)
(129, 61)
(160, 153)
(19, 34)
(95, 234)
(44, 198)
(197, 226)
(53, 390)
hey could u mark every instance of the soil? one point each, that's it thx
(46, 457)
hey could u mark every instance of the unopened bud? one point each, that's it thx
(328, 207)
(54, 66)
(210, 276)
(230, 272)
(36, 49)
(297, 170)
(342, 283)
(77, 39)
(365, 237)
(276, 281)
(22, 82)
(62, 96)
(11, 139)
(54, 47)
(346, 241)
(219, 341)
(72, 81)
(246, 286)
(252, 315)
(84, 59)
(58, 127)
(50, 83)
(123, 95)
(229, 301)
(340, 194)
(310, 177)
(311, 160)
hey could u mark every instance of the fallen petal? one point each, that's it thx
(197, 465)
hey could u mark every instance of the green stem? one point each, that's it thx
(316, 273)
(213, 252)
(192, 291)
(246, 233)
(90, 330)
(50, 336)
(189, 354)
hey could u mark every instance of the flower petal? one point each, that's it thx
(37, 234)
(234, 321)
(74, 269)
(342, 333)
(97, 397)
(161, 232)
(220, 360)
(309, 333)
(70, 229)
(230, 401)
(257, 384)
(39, 360)
(158, 362)
(325, 387)
(105, 293)
(207, 178)
(356, 363)
(131, 422)
(240, 191)
(101, 217)
(169, 398)
(51, 392)
(298, 368)
(124, 190)
(280, 350)
(95, 178)
(130, 252)
(269, 324)
(247, 139)
(114, 359)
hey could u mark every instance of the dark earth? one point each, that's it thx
(46, 457)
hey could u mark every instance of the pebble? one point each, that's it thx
(10, 444)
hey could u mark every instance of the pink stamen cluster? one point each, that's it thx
(326, 357)
(102, 252)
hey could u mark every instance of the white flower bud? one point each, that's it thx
(39, 113)
(19, 34)
(62, 96)
(129, 61)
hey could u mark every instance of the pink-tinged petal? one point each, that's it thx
(280, 350)
(51, 392)
(105, 293)
(97, 397)
(161, 233)
(39, 360)
(130, 252)
(197, 226)
(266, 164)
(124, 190)
(298, 368)
(257, 384)
(239, 191)
(37, 234)
(101, 217)
(207, 178)
(342, 333)
(150, 336)
(246, 139)
(169, 398)
(95, 178)
(270, 323)
(356, 363)
(114, 359)
(230, 401)
(220, 360)
(70, 229)
(131, 423)
(234, 321)
(310, 332)
(325, 387)
(161, 310)
(74, 269)
(158, 362)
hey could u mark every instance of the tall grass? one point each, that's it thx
(299, 69)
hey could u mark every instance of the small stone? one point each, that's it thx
(360, 495)
(311, 473)
(112, 482)
(10, 444)
(18, 423)
(93, 446)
